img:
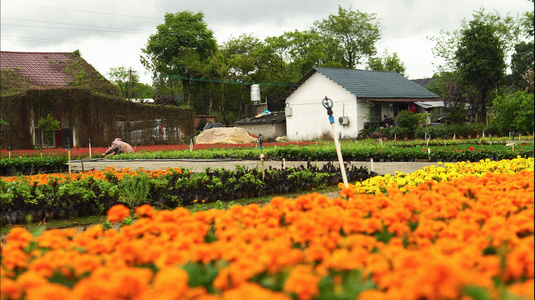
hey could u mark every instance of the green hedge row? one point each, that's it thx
(88, 196)
(439, 150)
(439, 131)
(27, 165)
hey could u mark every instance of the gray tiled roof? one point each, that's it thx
(376, 84)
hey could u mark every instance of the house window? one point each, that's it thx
(40, 137)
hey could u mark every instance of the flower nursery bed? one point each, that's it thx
(32, 165)
(465, 233)
(59, 196)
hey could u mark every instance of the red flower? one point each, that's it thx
(470, 149)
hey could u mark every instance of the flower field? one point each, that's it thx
(462, 231)
(96, 152)
(60, 195)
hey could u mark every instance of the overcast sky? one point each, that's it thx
(111, 33)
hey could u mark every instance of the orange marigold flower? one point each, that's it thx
(253, 291)
(146, 211)
(303, 282)
(9, 289)
(347, 192)
(118, 213)
(52, 291)
(19, 237)
(169, 281)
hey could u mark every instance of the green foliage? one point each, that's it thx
(48, 125)
(480, 61)
(218, 184)
(178, 47)
(134, 191)
(350, 35)
(515, 112)
(507, 29)
(127, 82)
(409, 120)
(351, 285)
(388, 62)
(94, 116)
(21, 163)
(522, 61)
(457, 114)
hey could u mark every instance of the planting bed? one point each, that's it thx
(59, 196)
(457, 231)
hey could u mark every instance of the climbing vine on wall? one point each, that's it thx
(94, 116)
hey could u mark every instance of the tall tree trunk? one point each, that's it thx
(210, 98)
(223, 114)
(482, 105)
(241, 101)
(189, 94)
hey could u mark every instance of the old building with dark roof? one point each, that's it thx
(89, 108)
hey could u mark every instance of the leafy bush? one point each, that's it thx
(515, 112)
(134, 190)
(409, 120)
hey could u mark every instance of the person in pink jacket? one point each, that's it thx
(118, 146)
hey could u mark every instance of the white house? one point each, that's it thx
(360, 99)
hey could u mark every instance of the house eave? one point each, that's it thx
(399, 99)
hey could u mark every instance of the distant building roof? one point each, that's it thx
(46, 70)
(273, 117)
(372, 85)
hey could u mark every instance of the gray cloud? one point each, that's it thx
(111, 33)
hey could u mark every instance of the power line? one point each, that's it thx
(40, 40)
(221, 81)
(63, 28)
(71, 24)
(210, 80)
(84, 11)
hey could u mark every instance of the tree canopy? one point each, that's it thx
(353, 32)
(387, 62)
(480, 61)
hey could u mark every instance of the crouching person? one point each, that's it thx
(118, 146)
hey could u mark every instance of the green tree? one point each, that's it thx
(243, 57)
(169, 50)
(388, 62)
(528, 23)
(127, 82)
(515, 112)
(306, 50)
(507, 29)
(192, 68)
(353, 33)
(221, 67)
(48, 126)
(522, 61)
(480, 62)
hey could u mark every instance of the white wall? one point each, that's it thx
(309, 119)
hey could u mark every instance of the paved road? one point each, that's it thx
(197, 165)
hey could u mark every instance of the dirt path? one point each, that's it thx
(193, 165)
